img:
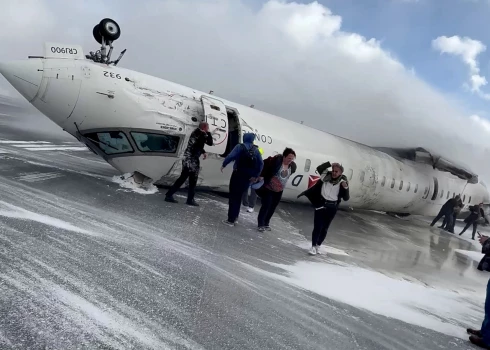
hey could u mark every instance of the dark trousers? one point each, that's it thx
(475, 226)
(485, 327)
(449, 226)
(239, 183)
(269, 200)
(186, 173)
(323, 218)
(442, 213)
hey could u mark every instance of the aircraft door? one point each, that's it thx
(216, 116)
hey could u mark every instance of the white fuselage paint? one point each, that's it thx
(80, 95)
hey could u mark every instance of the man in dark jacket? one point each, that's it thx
(446, 225)
(482, 337)
(326, 196)
(247, 166)
(191, 164)
(447, 211)
(472, 219)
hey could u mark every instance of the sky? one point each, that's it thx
(399, 73)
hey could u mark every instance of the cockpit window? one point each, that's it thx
(147, 142)
(111, 142)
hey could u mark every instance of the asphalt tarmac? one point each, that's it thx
(88, 264)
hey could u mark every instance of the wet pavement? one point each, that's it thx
(87, 264)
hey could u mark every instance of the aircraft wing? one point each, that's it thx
(421, 155)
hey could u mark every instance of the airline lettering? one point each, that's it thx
(263, 138)
(312, 179)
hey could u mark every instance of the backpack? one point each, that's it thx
(248, 158)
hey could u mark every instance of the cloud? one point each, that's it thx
(468, 50)
(294, 60)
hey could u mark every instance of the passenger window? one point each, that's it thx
(362, 176)
(416, 188)
(454, 194)
(448, 193)
(401, 185)
(392, 183)
(469, 200)
(426, 190)
(383, 181)
(307, 165)
(464, 198)
(408, 188)
(350, 173)
(147, 142)
(442, 193)
(111, 142)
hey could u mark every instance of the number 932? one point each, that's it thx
(112, 75)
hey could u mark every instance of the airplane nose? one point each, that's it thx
(25, 76)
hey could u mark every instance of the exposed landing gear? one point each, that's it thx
(105, 33)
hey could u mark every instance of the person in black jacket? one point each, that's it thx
(326, 196)
(191, 164)
(482, 337)
(449, 227)
(472, 219)
(276, 173)
(447, 211)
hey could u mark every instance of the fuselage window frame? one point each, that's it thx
(139, 146)
(307, 165)
(105, 145)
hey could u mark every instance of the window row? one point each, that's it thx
(116, 142)
(350, 173)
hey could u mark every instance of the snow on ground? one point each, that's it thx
(438, 309)
(12, 211)
(470, 254)
(127, 181)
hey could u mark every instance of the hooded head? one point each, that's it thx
(248, 137)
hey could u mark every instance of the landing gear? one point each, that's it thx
(105, 33)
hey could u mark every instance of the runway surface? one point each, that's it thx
(88, 264)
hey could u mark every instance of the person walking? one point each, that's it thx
(457, 209)
(248, 201)
(472, 219)
(276, 173)
(326, 196)
(191, 164)
(247, 166)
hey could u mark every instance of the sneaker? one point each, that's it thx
(317, 248)
(226, 222)
(268, 228)
(250, 210)
(192, 203)
(261, 228)
(171, 199)
(312, 251)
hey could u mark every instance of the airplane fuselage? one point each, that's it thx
(140, 123)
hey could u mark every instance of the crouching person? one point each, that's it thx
(326, 196)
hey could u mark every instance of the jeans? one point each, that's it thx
(249, 200)
(475, 226)
(323, 218)
(239, 182)
(270, 200)
(186, 173)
